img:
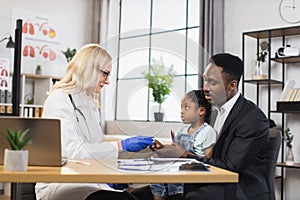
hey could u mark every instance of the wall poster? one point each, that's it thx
(4, 74)
(41, 43)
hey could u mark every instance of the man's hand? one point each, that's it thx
(171, 151)
(156, 145)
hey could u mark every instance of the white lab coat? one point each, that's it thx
(79, 140)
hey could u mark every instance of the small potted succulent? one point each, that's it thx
(16, 159)
(38, 69)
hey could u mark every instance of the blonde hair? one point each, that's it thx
(84, 69)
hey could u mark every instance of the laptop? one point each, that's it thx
(45, 145)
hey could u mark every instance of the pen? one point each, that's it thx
(172, 136)
(79, 162)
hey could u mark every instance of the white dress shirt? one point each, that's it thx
(223, 112)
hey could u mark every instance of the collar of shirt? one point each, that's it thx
(223, 112)
(229, 104)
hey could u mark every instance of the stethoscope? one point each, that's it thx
(77, 110)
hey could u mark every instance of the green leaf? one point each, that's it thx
(23, 134)
(16, 139)
(288, 137)
(160, 79)
(11, 133)
(69, 54)
(11, 142)
(23, 143)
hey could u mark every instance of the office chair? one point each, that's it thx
(23, 191)
(272, 155)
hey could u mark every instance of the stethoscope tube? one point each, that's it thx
(78, 121)
(75, 108)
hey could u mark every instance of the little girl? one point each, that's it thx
(198, 137)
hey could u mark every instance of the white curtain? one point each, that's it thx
(100, 20)
(212, 35)
(99, 33)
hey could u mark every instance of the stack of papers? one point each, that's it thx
(153, 164)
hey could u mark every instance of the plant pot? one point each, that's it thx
(15, 160)
(260, 71)
(158, 116)
(38, 71)
(289, 159)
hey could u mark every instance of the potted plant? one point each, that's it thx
(260, 72)
(16, 159)
(289, 139)
(38, 69)
(160, 79)
(69, 54)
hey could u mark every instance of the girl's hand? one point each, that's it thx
(156, 145)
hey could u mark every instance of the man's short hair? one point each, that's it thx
(232, 65)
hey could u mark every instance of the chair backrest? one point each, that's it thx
(23, 191)
(272, 155)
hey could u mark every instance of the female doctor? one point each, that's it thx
(74, 101)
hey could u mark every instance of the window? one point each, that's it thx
(151, 29)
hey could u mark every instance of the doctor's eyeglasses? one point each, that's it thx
(105, 74)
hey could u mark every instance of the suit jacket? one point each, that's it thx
(242, 148)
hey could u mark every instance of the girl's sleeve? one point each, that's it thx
(210, 137)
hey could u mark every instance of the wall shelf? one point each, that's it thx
(282, 164)
(288, 106)
(263, 81)
(294, 59)
(269, 35)
(37, 87)
(278, 32)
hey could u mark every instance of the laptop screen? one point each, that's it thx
(45, 145)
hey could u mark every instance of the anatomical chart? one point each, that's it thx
(41, 44)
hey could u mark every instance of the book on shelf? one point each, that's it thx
(36, 112)
(290, 93)
(6, 109)
(32, 112)
(290, 98)
(2, 109)
(2, 96)
(297, 96)
(5, 96)
(8, 96)
(28, 112)
(9, 109)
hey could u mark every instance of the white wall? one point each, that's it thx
(73, 17)
(242, 16)
(73, 20)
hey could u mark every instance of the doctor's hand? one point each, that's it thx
(173, 150)
(119, 186)
(137, 143)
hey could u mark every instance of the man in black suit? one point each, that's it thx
(243, 135)
(243, 132)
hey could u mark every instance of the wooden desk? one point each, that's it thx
(106, 172)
